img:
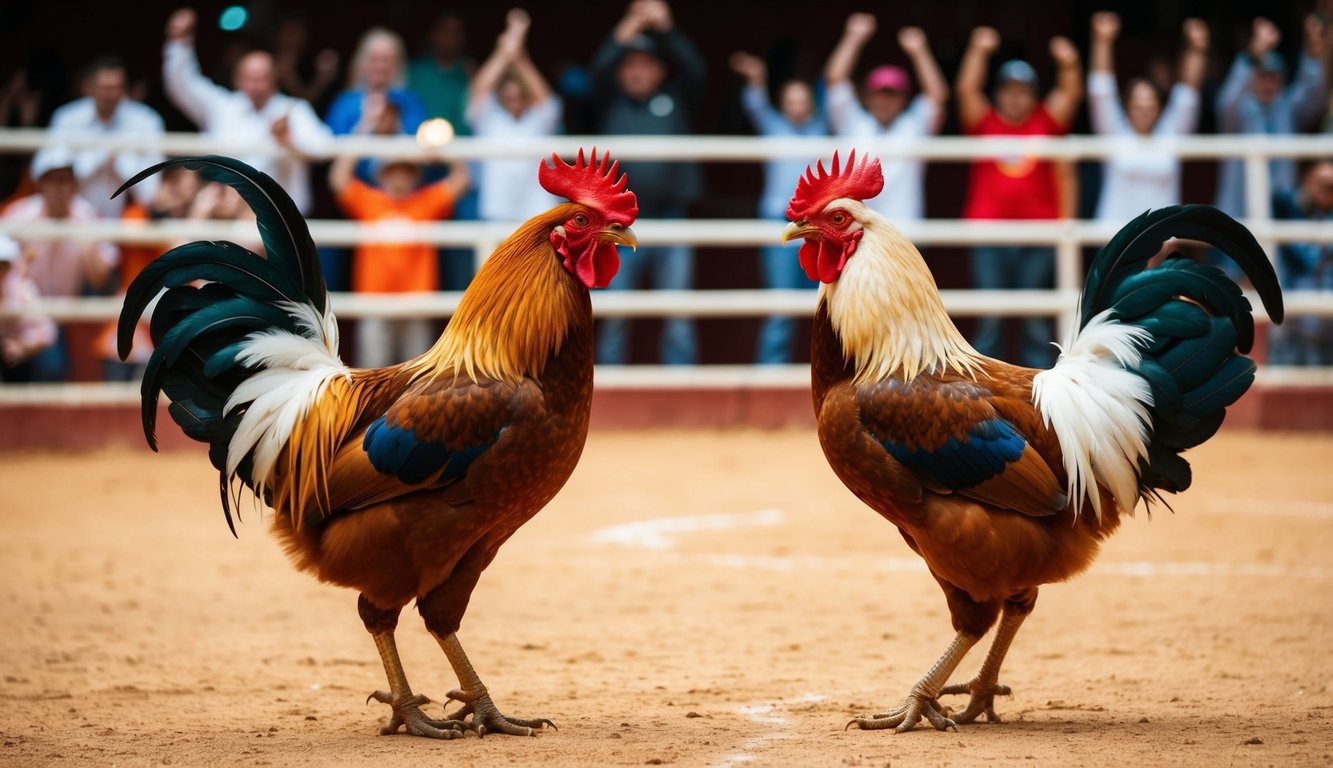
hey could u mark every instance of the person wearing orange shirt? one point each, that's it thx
(395, 267)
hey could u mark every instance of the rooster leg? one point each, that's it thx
(477, 701)
(921, 700)
(406, 705)
(986, 686)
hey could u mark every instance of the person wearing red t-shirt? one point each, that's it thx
(1016, 187)
(395, 267)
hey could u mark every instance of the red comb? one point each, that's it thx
(817, 188)
(592, 184)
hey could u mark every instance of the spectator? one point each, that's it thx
(511, 99)
(649, 78)
(309, 78)
(253, 114)
(888, 113)
(440, 76)
(1252, 100)
(377, 71)
(797, 117)
(106, 111)
(24, 333)
(1013, 188)
(394, 268)
(1305, 339)
(59, 267)
(1136, 177)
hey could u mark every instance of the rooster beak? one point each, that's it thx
(797, 230)
(620, 235)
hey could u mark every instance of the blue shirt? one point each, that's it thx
(345, 111)
(779, 175)
(1296, 107)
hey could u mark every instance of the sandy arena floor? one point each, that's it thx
(690, 599)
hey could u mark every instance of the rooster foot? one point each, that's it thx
(982, 701)
(408, 713)
(487, 719)
(906, 717)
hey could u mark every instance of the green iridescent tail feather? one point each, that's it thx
(1199, 321)
(199, 330)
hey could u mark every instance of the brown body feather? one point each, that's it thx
(990, 544)
(518, 354)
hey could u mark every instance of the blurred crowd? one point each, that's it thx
(646, 77)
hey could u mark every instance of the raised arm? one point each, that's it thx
(609, 53)
(343, 168)
(691, 70)
(1308, 92)
(933, 85)
(971, 83)
(531, 77)
(1105, 30)
(858, 30)
(1194, 59)
(507, 48)
(185, 85)
(1104, 109)
(754, 98)
(1062, 101)
(1264, 37)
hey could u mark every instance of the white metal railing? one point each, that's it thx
(1068, 237)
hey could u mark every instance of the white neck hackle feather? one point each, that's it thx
(887, 311)
(1098, 407)
(295, 370)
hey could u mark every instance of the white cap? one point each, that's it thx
(49, 159)
(9, 249)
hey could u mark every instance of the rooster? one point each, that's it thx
(1005, 478)
(400, 482)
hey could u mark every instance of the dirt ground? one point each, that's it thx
(690, 599)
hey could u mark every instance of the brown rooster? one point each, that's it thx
(1005, 478)
(400, 482)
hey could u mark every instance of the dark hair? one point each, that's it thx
(1134, 82)
(106, 61)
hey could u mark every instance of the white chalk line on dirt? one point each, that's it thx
(767, 714)
(660, 534)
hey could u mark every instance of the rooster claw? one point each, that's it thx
(982, 701)
(487, 719)
(407, 713)
(906, 717)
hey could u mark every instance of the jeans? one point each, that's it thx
(1015, 267)
(52, 363)
(781, 270)
(672, 268)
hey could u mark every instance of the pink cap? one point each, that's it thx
(888, 77)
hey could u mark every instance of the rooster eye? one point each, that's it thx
(580, 220)
(838, 219)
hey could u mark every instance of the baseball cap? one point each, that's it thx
(9, 249)
(642, 43)
(1016, 71)
(888, 78)
(50, 159)
(1271, 62)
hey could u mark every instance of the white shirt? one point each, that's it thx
(101, 171)
(904, 178)
(508, 189)
(57, 267)
(231, 117)
(1138, 176)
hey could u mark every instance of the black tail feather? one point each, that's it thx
(199, 331)
(1199, 323)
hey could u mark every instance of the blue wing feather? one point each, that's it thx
(982, 453)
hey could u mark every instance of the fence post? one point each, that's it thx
(1259, 197)
(1068, 277)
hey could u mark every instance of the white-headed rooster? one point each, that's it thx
(1005, 478)
(400, 482)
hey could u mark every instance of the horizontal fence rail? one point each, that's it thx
(1068, 237)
